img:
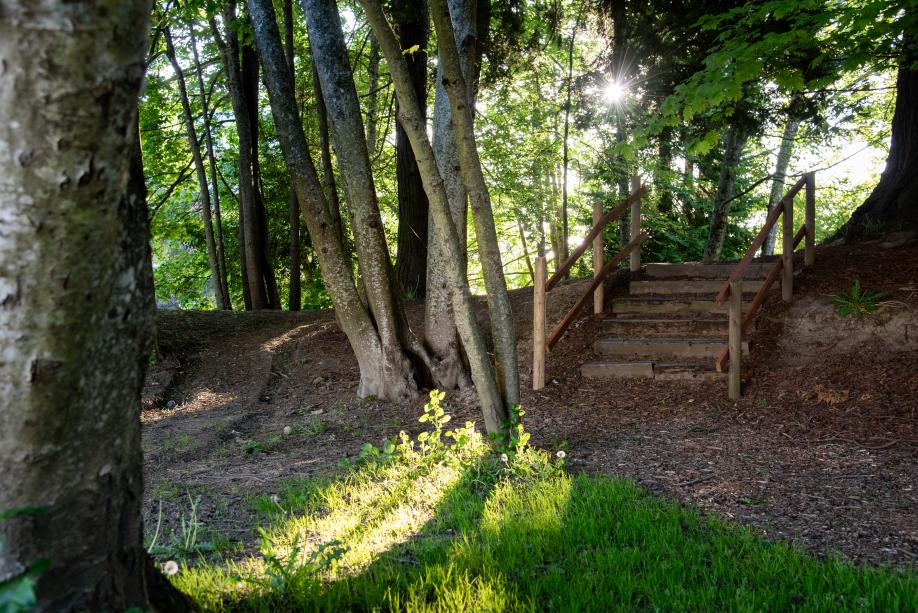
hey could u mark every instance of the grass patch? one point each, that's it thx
(459, 527)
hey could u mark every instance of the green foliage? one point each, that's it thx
(857, 302)
(184, 542)
(17, 592)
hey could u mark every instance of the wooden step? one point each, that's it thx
(708, 327)
(661, 347)
(707, 287)
(606, 369)
(697, 270)
(664, 304)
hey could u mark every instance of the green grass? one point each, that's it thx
(464, 531)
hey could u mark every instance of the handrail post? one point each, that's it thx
(598, 294)
(810, 213)
(538, 325)
(735, 338)
(635, 223)
(787, 280)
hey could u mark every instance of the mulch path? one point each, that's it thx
(820, 450)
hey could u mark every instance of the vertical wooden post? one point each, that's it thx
(538, 325)
(810, 213)
(787, 280)
(635, 223)
(735, 338)
(598, 293)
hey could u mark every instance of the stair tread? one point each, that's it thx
(662, 339)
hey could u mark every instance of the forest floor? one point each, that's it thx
(820, 451)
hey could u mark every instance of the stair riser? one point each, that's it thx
(647, 370)
(641, 328)
(669, 306)
(705, 288)
(705, 271)
(679, 350)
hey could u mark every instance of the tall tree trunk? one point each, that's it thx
(385, 369)
(328, 170)
(503, 327)
(295, 297)
(411, 22)
(250, 83)
(777, 182)
(733, 149)
(249, 258)
(214, 182)
(440, 333)
(663, 173)
(412, 118)
(201, 171)
(76, 289)
(564, 142)
(894, 201)
(372, 95)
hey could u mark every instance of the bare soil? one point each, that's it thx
(820, 451)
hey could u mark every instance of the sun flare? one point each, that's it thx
(614, 92)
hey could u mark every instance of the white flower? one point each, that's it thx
(287, 430)
(561, 454)
(170, 568)
(275, 498)
(504, 458)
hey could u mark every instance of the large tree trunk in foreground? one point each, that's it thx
(76, 290)
(894, 201)
(777, 182)
(201, 172)
(411, 256)
(733, 149)
(412, 119)
(503, 327)
(383, 372)
(440, 333)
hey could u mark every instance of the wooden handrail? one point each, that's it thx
(757, 301)
(770, 221)
(606, 269)
(593, 233)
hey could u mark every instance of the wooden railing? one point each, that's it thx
(732, 288)
(542, 342)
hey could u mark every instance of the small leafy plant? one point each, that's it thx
(857, 302)
(17, 593)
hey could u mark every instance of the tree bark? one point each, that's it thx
(412, 119)
(777, 182)
(564, 143)
(733, 149)
(212, 162)
(294, 300)
(76, 290)
(372, 95)
(503, 327)
(328, 170)
(411, 24)
(440, 333)
(385, 370)
(200, 170)
(894, 201)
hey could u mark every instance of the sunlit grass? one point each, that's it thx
(468, 532)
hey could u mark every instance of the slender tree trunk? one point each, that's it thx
(894, 201)
(412, 119)
(411, 22)
(564, 143)
(777, 183)
(503, 327)
(328, 170)
(733, 150)
(440, 333)
(201, 171)
(663, 173)
(76, 289)
(385, 370)
(212, 162)
(295, 297)
(372, 95)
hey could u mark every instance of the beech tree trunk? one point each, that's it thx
(295, 297)
(76, 290)
(440, 333)
(503, 327)
(372, 95)
(328, 170)
(214, 181)
(415, 125)
(201, 171)
(893, 203)
(733, 149)
(411, 22)
(778, 179)
(385, 369)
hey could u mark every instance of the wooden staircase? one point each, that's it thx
(669, 326)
